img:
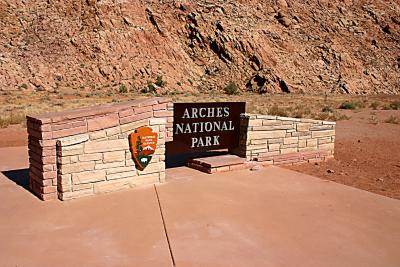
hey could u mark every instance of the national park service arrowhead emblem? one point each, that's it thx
(143, 143)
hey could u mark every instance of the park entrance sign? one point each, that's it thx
(107, 148)
(206, 126)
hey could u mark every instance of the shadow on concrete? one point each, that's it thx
(20, 177)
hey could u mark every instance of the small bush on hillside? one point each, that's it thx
(123, 89)
(160, 82)
(348, 105)
(231, 89)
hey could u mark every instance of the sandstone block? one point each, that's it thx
(274, 147)
(329, 146)
(121, 169)
(254, 147)
(78, 187)
(275, 141)
(88, 177)
(112, 186)
(133, 125)
(73, 140)
(290, 140)
(157, 121)
(321, 127)
(77, 167)
(97, 135)
(271, 123)
(120, 175)
(68, 125)
(302, 135)
(302, 143)
(266, 134)
(163, 113)
(162, 177)
(258, 141)
(266, 117)
(312, 142)
(113, 131)
(136, 117)
(101, 166)
(303, 127)
(103, 122)
(90, 157)
(144, 109)
(70, 131)
(323, 133)
(114, 156)
(255, 122)
(147, 179)
(324, 140)
(288, 150)
(106, 146)
(126, 113)
(288, 119)
(307, 149)
(75, 194)
(160, 106)
(289, 145)
(152, 168)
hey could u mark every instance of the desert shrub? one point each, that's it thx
(300, 111)
(373, 120)
(231, 89)
(348, 105)
(150, 88)
(374, 105)
(160, 82)
(277, 111)
(12, 118)
(392, 119)
(326, 116)
(395, 105)
(321, 116)
(327, 109)
(123, 89)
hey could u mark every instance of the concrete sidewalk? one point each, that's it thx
(271, 217)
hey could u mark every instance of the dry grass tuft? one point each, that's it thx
(12, 118)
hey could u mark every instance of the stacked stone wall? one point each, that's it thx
(281, 140)
(86, 151)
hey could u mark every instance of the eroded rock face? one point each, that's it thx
(264, 46)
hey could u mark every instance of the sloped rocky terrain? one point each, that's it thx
(311, 47)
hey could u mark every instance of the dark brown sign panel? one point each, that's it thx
(206, 126)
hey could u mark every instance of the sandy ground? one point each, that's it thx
(367, 155)
(367, 152)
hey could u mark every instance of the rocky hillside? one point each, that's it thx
(266, 46)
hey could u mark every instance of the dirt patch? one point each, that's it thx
(367, 154)
(14, 135)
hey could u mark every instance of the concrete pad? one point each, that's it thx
(277, 217)
(13, 158)
(118, 229)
